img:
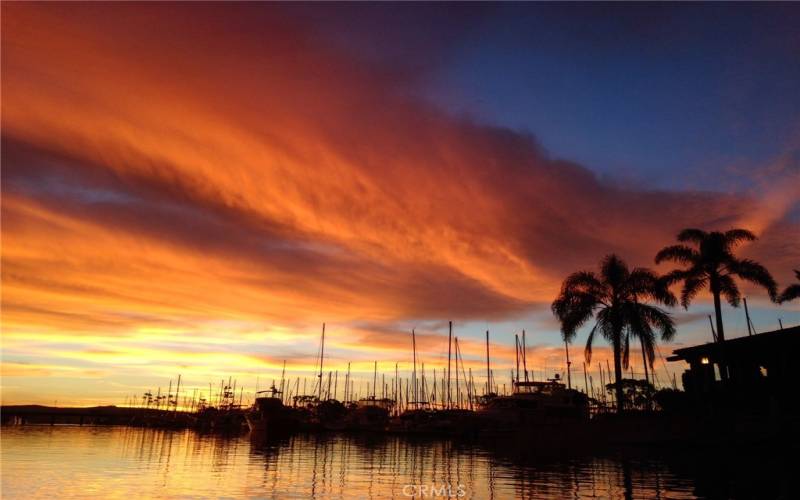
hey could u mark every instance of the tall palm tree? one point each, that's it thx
(792, 291)
(711, 263)
(616, 299)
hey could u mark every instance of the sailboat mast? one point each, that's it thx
(488, 370)
(321, 357)
(458, 392)
(424, 396)
(374, 379)
(283, 380)
(516, 356)
(414, 369)
(449, 350)
(347, 384)
(750, 326)
(177, 391)
(524, 356)
(569, 374)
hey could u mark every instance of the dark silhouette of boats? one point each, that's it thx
(220, 420)
(370, 414)
(536, 403)
(435, 422)
(269, 414)
(330, 415)
(536, 412)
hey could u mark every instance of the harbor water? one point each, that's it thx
(119, 462)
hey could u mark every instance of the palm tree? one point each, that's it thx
(792, 291)
(711, 263)
(615, 298)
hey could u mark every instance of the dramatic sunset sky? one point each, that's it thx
(194, 189)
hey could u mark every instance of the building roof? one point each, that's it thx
(776, 339)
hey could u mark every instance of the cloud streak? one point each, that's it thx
(235, 168)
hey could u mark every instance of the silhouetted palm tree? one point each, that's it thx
(712, 264)
(792, 291)
(615, 298)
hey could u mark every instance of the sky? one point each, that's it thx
(195, 189)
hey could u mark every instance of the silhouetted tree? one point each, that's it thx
(637, 393)
(792, 291)
(672, 400)
(615, 298)
(659, 290)
(711, 263)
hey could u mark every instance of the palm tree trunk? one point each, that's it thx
(617, 344)
(718, 313)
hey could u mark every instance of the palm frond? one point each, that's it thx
(693, 235)
(754, 272)
(677, 275)
(729, 290)
(583, 280)
(677, 253)
(626, 351)
(660, 292)
(587, 352)
(614, 271)
(735, 236)
(790, 293)
(581, 293)
(691, 287)
(659, 319)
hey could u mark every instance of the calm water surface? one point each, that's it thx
(85, 462)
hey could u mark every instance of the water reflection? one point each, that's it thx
(119, 462)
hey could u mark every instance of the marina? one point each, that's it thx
(392, 250)
(746, 408)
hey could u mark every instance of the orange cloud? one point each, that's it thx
(222, 179)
